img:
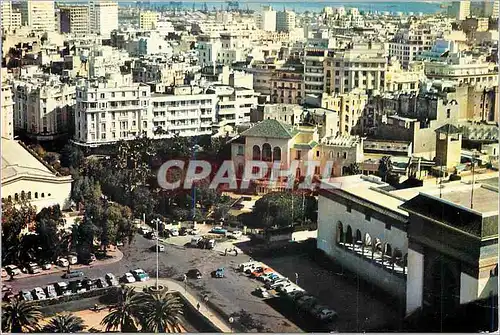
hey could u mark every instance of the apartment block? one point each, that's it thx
(460, 10)
(43, 106)
(208, 47)
(285, 21)
(148, 20)
(160, 70)
(111, 109)
(286, 113)
(359, 66)
(38, 14)
(399, 79)
(103, 17)
(314, 71)
(286, 85)
(234, 103)
(409, 43)
(7, 103)
(74, 20)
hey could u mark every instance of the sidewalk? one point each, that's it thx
(222, 325)
(116, 256)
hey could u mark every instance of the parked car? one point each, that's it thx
(50, 291)
(8, 296)
(6, 288)
(62, 262)
(119, 243)
(151, 235)
(25, 295)
(86, 258)
(194, 231)
(174, 232)
(262, 292)
(12, 270)
(62, 288)
(140, 275)
(249, 266)
(89, 284)
(291, 288)
(235, 234)
(72, 259)
(194, 274)
(128, 278)
(33, 268)
(260, 271)
(218, 230)
(111, 279)
(73, 274)
(219, 273)
(4, 273)
(38, 293)
(76, 286)
(101, 282)
(46, 266)
(205, 243)
(144, 230)
(281, 287)
(183, 231)
(272, 285)
(270, 277)
(161, 248)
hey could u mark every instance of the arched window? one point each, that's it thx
(266, 152)
(16, 197)
(331, 154)
(43, 195)
(256, 153)
(36, 195)
(276, 154)
(9, 198)
(339, 234)
(388, 250)
(29, 195)
(368, 240)
(348, 237)
(297, 173)
(359, 239)
(23, 195)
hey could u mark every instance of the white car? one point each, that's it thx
(194, 231)
(72, 259)
(62, 262)
(262, 292)
(128, 278)
(174, 232)
(12, 269)
(46, 266)
(38, 294)
(236, 234)
(291, 288)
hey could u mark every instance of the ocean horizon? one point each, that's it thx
(425, 7)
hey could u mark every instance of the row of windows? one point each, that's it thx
(24, 196)
(112, 94)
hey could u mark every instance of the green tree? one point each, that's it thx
(353, 169)
(161, 313)
(20, 316)
(72, 156)
(385, 167)
(124, 314)
(64, 323)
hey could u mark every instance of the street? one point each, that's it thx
(231, 294)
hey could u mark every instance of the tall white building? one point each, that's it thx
(110, 110)
(38, 14)
(6, 14)
(43, 106)
(103, 17)
(234, 103)
(460, 10)
(208, 47)
(285, 21)
(7, 103)
(267, 19)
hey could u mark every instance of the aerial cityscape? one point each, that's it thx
(249, 166)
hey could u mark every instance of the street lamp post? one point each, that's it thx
(231, 320)
(157, 253)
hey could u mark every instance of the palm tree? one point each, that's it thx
(20, 315)
(64, 323)
(161, 312)
(125, 313)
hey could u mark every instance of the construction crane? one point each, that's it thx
(233, 6)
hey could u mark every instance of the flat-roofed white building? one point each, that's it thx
(26, 177)
(234, 103)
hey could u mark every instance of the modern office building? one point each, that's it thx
(74, 20)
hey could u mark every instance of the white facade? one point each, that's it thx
(111, 110)
(208, 48)
(6, 14)
(103, 17)
(460, 10)
(184, 114)
(267, 19)
(234, 104)
(43, 106)
(411, 42)
(25, 177)
(7, 104)
(104, 60)
(39, 15)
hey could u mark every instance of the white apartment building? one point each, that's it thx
(103, 17)
(460, 10)
(266, 19)
(74, 20)
(111, 109)
(162, 70)
(7, 103)
(399, 79)
(38, 14)
(285, 21)
(150, 43)
(104, 59)
(359, 66)
(186, 112)
(6, 14)
(464, 68)
(234, 103)
(409, 43)
(148, 20)
(43, 106)
(234, 48)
